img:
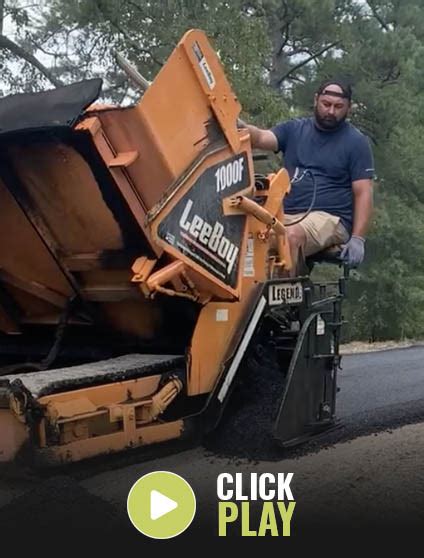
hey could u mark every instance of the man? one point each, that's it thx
(326, 152)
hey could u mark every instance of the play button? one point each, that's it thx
(161, 505)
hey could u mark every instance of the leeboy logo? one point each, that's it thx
(197, 227)
(208, 236)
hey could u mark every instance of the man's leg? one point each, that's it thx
(317, 231)
(297, 240)
(296, 236)
(322, 231)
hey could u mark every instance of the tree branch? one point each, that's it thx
(135, 45)
(7, 44)
(1, 16)
(377, 16)
(299, 50)
(284, 40)
(391, 77)
(128, 39)
(307, 60)
(43, 50)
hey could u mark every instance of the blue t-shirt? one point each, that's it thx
(336, 159)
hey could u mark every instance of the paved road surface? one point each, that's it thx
(372, 482)
(374, 380)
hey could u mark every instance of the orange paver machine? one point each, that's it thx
(135, 275)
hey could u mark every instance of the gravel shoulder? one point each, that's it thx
(359, 347)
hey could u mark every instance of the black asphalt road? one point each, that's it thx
(372, 381)
(378, 391)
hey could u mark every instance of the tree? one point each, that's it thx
(77, 39)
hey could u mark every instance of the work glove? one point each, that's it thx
(353, 251)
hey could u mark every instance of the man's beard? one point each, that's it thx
(328, 122)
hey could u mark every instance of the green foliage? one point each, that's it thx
(386, 295)
(147, 32)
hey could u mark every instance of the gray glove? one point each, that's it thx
(353, 251)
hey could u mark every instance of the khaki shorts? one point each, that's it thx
(322, 230)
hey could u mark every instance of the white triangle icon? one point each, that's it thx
(160, 505)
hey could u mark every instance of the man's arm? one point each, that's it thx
(261, 139)
(354, 251)
(362, 206)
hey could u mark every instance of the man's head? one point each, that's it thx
(332, 104)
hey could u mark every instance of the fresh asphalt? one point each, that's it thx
(372, 381)
(379, 391)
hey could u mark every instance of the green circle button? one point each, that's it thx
(161, 505)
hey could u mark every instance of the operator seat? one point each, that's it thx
(330, 255)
